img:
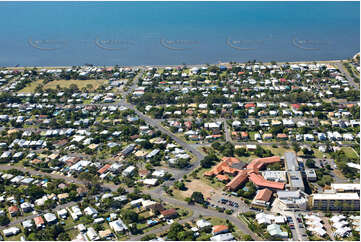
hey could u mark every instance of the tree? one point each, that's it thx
(188, 200)
(296, 147)
(130, 216)
(63, 237)
(310, 163)
(307, 152)
(32, 237)
(247, 237)
(197, 197)
(180, 185)
(174, 229)
(186, 236)
(208, 161)
(148, 237)
(4, 220)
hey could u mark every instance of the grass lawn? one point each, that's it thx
(349, 152)
(216, 185)
(217, 221)
(72, 233)
(14, 238)
(280, 151)
(31, 87)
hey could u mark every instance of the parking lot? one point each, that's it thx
(228, 201)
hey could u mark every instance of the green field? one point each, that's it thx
(350, 153)
(31, 87)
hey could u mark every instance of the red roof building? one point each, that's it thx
(251, 173)
(296, 106)
(264, 195)
(250, 105)
(104, 169)
(219, 229)
(169, 213)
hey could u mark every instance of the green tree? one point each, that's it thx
(4, 220)
(174, 229)
(197, 197)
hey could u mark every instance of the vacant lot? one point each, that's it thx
(197, 186)
(31, 87)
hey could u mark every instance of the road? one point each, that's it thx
(347, 75)
(68, 179)
(158, 230)
(198, 210)
(22, 219)
(40, 173)
(157, 124)
(227, 131)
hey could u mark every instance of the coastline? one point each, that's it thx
(162, 66)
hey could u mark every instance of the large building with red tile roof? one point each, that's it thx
(250, 173)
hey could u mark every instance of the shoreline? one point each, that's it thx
(174, 65)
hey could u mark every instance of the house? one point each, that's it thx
(26, 207)
(91, 212)
(13, 211)
(11, 231)
(92, 234)
(169, 213)
(128, 171)
(81, 227)
(39, 222)
(98, 220)
(203, 224)
(63, 196)
(222, 237)
(50, 218)
(219, 229)
(75, 212)
(282, 136)
(104, 234)
(153, 206)
(27, 224)
(118, 226)
(63, 214)
(267, 136)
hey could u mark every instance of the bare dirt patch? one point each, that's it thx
(198, 186)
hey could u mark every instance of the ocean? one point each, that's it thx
(171, 33)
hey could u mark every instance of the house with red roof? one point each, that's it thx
(250, 105)
(13, 211)
(39, 222)
(169, 213)
(104, 169)
(219, 229)
(282, 136)
(295, 106)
